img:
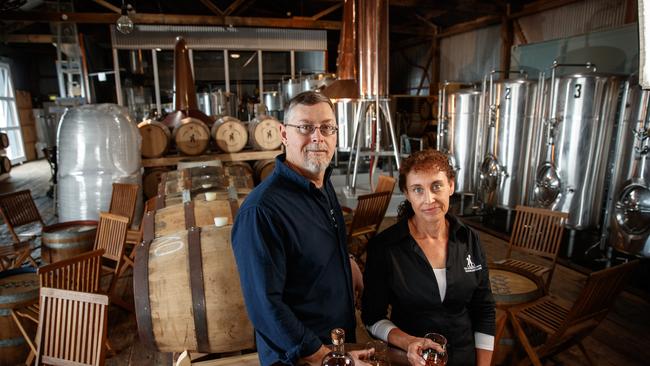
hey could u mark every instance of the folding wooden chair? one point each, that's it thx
(124, 199)
(18, 209)
(14, 255)
(79, 273)
(566, 326)
(366, 219)
(71, 328)
(538, 232)
(111, 236)
(385, 183)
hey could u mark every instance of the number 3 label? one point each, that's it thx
(578, 91)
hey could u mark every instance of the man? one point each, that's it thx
(289, 242)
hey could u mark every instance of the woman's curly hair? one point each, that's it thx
(425, 160)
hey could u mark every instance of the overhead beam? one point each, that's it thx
(27, 38)
(109, 6)
(171, 19)
(540, 6)
(213, 8)
(327, 11)
(233, 7)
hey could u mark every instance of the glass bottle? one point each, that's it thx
(338, 356)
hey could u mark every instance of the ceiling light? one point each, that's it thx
(124, 23)
(234, 55)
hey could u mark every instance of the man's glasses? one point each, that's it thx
(307, 130)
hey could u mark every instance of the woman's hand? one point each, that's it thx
(417, 347)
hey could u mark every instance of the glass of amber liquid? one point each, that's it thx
(431, 356)
(380, 355)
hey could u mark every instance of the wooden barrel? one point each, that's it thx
(18, 287)
(205, 178)
(230, 134)
(192, 136)
(240, 174)
(187, 289)
(5, 165)
(512, 286)
(67, 239)
(197, 162)
(264, 133)
(4, 140)
(263, 168)
(151, 179)
(155, 138)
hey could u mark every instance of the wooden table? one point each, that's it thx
(397, 357)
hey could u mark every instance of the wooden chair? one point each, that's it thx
(385, 183)
(124, 199)
(111, 236)
(71, 328)
(566, 326)
(79, 273)
(14, 255)
(366, 219)
(18, 209)
(538, 232)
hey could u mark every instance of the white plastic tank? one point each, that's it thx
(98, 145)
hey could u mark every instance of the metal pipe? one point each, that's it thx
(156, 81)
(226, 71)
(260, 72)
(118, 82)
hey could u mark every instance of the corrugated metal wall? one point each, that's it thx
(407, 66)
(219, 38)
(468, 56)
(573, 19)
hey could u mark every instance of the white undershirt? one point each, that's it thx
(381, 328)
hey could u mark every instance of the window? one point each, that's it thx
(9, 116)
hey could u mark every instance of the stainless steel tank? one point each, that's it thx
(203, 100)
(223, 103)
(273, 100)
(290, 88)
(508, 122)
(345, 110)
(457, 135)
(630, 202)
(576, 141)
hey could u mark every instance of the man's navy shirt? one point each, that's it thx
(289, 242)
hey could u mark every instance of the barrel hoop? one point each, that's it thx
(160, 202)
(190, 220)
(198, 290)
(12, 342)
(68, 243)
(232, 199)
(141, 283)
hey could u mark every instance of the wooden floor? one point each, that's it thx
(622, 339)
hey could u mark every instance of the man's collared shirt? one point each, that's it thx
(289, 242)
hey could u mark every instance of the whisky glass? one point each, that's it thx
(433, 357)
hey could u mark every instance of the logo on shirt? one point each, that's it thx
(471, 267)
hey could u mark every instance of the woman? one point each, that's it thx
(430, 271)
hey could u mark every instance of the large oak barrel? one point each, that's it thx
(192, 136)
(5, 165)
(67, 239)
(263, 168)
(240, 174)
(4, 140)
(205, 178)
(155, 138)
(151, 179)
(18, 287)
(187, 289)
(264, 133)
(230, 134)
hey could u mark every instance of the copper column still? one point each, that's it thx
(184, 90)
(373, 108)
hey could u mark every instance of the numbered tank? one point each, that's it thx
(576, 141)
(458, 131)
(509, 121)
(630, 204)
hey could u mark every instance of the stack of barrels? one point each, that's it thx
(192, 136)
(5, 163)
(185, 275)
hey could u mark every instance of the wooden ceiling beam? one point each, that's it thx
(27, 38)
(235, 4)
(213, 8)
(109, 6)
(171, 19)
(327, 11)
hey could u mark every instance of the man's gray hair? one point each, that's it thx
(307, 98)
